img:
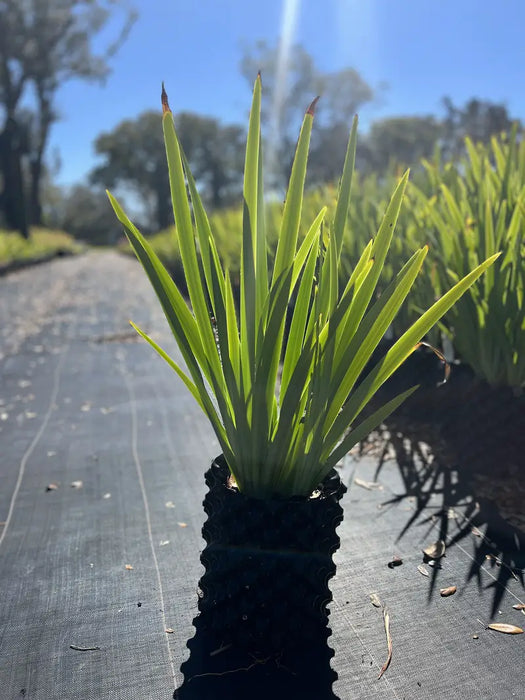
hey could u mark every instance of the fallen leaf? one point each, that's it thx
(445, 592)
(51, 453)
(128, 567)
(170, 504)
(182, 524)
(475, 636)
(106, 496)
(422, 570)
(77, 484)
(476, 532)
(435, 551)
(519, 606)
(105, 410)
(374, 599)
(368, 485)
(86, 406)
(506, 629)
(51, 487)
(168, 630)
(163, 543)
(386, 619)
(30, 414)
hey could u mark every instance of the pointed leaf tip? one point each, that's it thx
(311, 108)
(164, 99)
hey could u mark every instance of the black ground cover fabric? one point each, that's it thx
(102, 461)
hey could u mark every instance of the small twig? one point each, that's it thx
(499, 562)
(220, 650)
(386, 618)
(233, 670)
(77, 648)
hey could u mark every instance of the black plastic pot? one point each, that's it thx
(263, 599)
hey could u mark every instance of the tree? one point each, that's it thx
(135, 158)
(479, 119)
(288, 90)
(86, 214)
(402, 140)
(216, 156)
(43, 43)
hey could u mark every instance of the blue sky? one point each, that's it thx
(422, 50)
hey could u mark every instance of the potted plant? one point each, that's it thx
(285, 407)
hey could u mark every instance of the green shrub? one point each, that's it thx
(478, 208)
(42, 243)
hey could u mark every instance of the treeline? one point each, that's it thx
(44, 43)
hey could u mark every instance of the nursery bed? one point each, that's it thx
(102, 456)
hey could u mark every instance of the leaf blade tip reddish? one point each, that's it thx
(164, 99)
(313, 104)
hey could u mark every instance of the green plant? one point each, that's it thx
(42, 243)
(478, 209)
(281, 432)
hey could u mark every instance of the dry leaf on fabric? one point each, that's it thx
(506, 629)
(386, 619)
(436, 550)
(422, 570)
(374, 599)
(445, 592)
(368, 485)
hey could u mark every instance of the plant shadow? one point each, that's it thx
(444, 496)
(459, 446)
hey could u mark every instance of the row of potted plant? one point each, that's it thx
(465, 211)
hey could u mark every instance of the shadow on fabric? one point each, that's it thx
(213, 672)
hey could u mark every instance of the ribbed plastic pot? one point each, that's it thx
(268, 563)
